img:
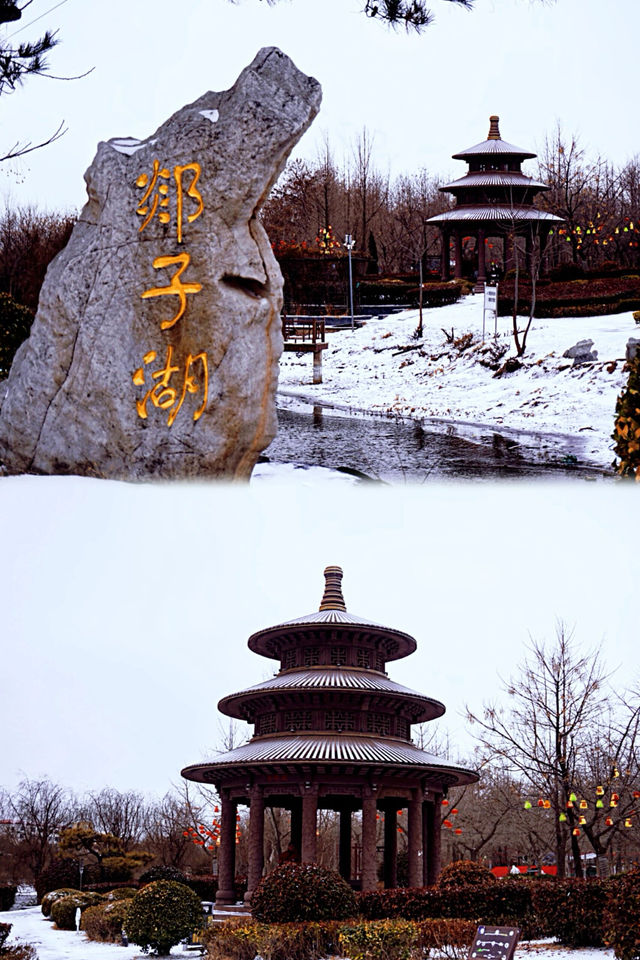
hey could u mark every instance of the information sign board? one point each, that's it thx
(494, 943)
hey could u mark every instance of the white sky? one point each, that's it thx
(423, 98)
(126, 608)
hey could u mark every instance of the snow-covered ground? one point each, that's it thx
(369, 370)
(29, 925)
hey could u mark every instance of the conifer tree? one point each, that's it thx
(626, 432)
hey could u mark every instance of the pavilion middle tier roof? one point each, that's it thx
(334, 679)
(495, 178)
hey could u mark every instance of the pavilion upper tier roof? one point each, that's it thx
(268, 642)
(494, 145)
(338, 679)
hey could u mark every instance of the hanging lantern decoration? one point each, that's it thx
(445, 802)
(573, 798)
(583, 820)
(547, 804)
(599, 804)
(569, 804)
(576, 831)
(636, 794)
(541, 802)
(608, 821)
(562, 817)
(448, 824)
(627, 822)
(457, 830)
(583, 805)
(616, 772)
(599, 791)
(454, 811)
(527, 804)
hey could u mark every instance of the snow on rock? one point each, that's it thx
(382, 368)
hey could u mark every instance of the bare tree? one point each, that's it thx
(40, 809)
(558, 705)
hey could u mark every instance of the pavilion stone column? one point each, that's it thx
(444, 265)
(227, 855)
(416, 870)
(256, 840)
(309, 827)
(369, 865)
(482, 263)
(296, 824)
(390, 847)
(344, 849)
(431, 839)
(458, 245)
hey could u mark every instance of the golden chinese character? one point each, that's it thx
(156, 196)
(165, 397)
(191, 191)
(150, 201)
(176, 288)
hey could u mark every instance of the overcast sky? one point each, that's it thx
(126, 608)
(422, 97)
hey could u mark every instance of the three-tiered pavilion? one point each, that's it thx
(332, 731)
(494, 199)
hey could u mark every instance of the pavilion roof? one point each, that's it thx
(324, 748)
(493, 145)
(339, 679)
(496, 178)
(497, 213)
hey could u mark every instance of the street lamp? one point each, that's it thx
(350, 243)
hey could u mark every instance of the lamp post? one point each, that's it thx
(350, 243)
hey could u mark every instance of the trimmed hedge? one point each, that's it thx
(622, 916)
(572, 910)
(104, 921)
(243, 940)
(7, 895)
(50, 898)
(295, 891)
(465, 872)
(63, 911)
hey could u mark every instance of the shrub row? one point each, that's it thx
(356, 939)
(7, 895)
(434, 294)
(63, 910)
(104, 921)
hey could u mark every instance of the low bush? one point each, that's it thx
(465, 872)
(162, 914)
(622, 916)
(7, 895)
(50, 898)
(63, 911)
(305, 891)
(243, 940)
(380, 940)
(16, 951)
(104, 921)
(122, 893)
(446, 938)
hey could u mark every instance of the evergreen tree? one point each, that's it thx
(627, 426)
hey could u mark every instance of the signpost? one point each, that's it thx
(490, 307)
(494, 943)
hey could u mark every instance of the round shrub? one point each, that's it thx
(306, 891)
(622, 916)
(465, 873)
(122, 893)
(63, 911)
(162, 914)
(50, 898)
(162, 873)
(105, 921)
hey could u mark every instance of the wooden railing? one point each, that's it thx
(303, 331)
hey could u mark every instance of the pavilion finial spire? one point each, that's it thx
(332, 598)
(494, 129)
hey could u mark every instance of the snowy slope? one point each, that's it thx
(369, 370)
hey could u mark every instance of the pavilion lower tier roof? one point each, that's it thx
(263, 754)
(496, 213)
(334, 679)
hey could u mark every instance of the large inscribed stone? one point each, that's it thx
(155, 348)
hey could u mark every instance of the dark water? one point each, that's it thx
(401, 451)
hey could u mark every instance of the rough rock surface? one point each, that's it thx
(155, 348)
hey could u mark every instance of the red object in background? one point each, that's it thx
(504, 871)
